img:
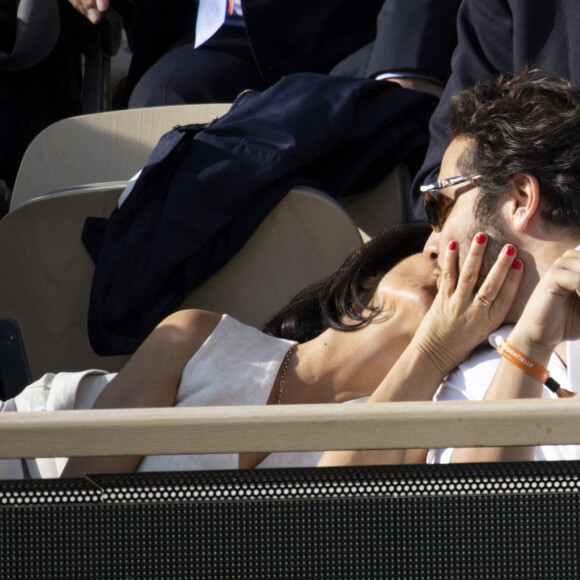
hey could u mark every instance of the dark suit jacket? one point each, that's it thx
(503, 36)
(404, 41)
(286, 36)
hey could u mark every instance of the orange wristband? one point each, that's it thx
(523, 362)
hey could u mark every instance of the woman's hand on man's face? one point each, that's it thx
(461, 318)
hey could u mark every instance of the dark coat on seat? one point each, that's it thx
(205, 190)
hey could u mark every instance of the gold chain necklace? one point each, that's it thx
(284, 371)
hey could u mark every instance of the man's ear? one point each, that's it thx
(525, 200)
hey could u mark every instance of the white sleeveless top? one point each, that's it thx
(236, 365)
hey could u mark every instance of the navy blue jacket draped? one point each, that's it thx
(206, 189)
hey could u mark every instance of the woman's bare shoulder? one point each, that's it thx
(193, 316)
(192, 324)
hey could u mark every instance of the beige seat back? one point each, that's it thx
(304, 239)
(47, 271)
(114, 146)
(381, 206)
(110, 146)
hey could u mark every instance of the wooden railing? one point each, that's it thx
(289, 428)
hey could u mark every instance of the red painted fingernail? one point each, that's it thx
(517, 265)
(480, 238)
(452, 244)
(509, 250)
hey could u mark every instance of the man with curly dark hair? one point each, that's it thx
(512, 172)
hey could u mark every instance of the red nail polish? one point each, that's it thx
(517, 265)
(509, 250)
(452, 244)
(480, 238)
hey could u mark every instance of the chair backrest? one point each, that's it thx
(48, 271)
(381, 206)
(114, 146)
(102, 147)
(36, 30)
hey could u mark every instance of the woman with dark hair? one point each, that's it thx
(337, 342)
(332, 344)
(340, 301)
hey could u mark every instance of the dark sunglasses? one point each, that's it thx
(439, 207)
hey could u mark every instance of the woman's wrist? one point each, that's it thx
(430, 360)
(414, 377)
(439, 353)
(531, 348)
(527, 366)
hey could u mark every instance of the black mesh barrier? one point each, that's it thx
(473, 521)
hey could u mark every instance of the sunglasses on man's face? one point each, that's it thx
(439, 207)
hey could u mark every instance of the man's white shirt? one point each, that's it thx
(470, 380)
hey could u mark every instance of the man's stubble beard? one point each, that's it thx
(496, 240)
(491, 226)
